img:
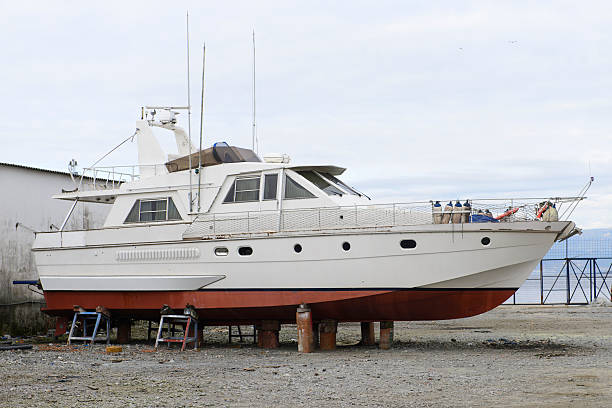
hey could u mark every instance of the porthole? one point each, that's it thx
(485, 241)
(408, 243)
(245, 251)
(297, 248)
(221, 251)
(346, 246)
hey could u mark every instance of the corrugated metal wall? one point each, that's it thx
(25, 198)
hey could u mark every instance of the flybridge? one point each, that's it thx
(153, 161)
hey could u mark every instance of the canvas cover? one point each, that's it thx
(219, 153)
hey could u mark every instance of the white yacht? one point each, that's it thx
(244, 239)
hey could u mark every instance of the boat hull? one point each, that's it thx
(252, 306)
(451, 273)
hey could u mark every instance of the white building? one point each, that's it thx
(26, 206)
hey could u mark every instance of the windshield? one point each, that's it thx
(320, 182)
(341, 184)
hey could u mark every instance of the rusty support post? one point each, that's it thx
(268, 336)
(386, 335)
(124, 331)
(367, 334)
(303, 318)
(327, 333)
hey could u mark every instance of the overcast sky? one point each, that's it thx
(419, 100)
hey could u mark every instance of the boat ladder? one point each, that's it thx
(188, 322)
(100, 317)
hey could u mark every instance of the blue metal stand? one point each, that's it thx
(84, 317)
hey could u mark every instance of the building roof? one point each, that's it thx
(64, 173)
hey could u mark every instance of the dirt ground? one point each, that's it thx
(545, 356)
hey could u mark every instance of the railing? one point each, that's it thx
(567, 281)
(110, 177)
(365, 216)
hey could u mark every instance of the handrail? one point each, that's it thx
(104, 176)
(358, 216)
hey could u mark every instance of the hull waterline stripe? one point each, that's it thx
(304, 290)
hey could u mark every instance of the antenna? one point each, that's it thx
(254, 128)
(189, 118)
(201, 126)
(581, 196)
(589, 168)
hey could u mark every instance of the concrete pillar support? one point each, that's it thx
(367, 334)
(303, 318)
(327, 333)
(268, 334)
(386, 335)
(124, 331)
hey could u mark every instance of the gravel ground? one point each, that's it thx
(511, 356)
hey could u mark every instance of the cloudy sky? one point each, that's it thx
(419, 100)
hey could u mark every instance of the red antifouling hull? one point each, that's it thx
(249, 306)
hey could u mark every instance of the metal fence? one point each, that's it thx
(575, 271)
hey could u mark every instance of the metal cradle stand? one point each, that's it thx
(188, 322)
(101, 317)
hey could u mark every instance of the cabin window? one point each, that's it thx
(221, 251)
(243, 189)
(408, 243)
(320, 182)
(229, 198)
(245, 251)
(173, 213)
(294, 190)
(153, 210)
(133, 216)
(270, 183)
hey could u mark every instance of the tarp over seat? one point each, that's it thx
(217, 154)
